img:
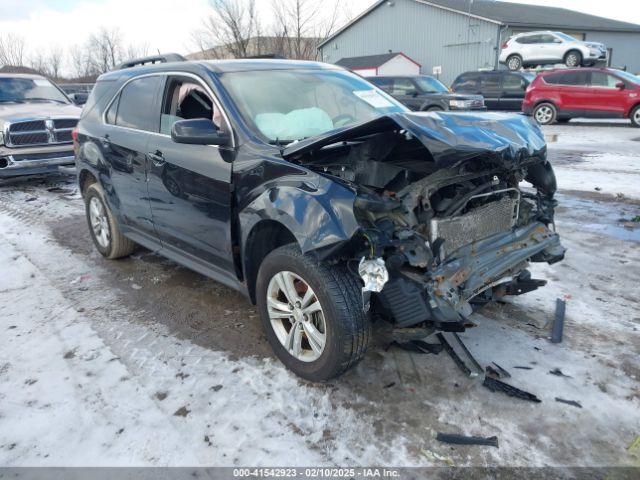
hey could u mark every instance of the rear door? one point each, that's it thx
(467, 83)
(605, 97)
(574, 91)
(190, 185)
(513, 88)
(129, 119)
(491, 89)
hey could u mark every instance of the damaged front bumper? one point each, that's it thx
(442, 296)
(34, 160)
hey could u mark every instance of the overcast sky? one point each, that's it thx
(166, 25)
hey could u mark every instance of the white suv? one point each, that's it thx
(543, 48)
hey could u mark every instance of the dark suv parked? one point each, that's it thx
(426, 94)
(316, 195)
(501, 90)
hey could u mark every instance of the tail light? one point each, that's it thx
(504, 45)
(74, 135)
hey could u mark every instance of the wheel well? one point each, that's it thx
(432, 106)
(265, 236)
(540, 102)
(85, 179)
(514, 55)
(572, 50)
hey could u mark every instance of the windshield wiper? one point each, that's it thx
(11, 101)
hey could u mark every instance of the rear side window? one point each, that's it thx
(490, 82)
(136, 108)
(467, 82)
(384, 83)
(577, 79)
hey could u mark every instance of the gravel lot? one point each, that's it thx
(143, 362)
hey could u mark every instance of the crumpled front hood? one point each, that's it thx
(14, 112)
(450, 137)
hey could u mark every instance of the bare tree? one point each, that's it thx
(229, 29)
(302, 24)
(48, 63)
(104, 50)
(12, 49)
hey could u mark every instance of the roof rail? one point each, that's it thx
(162, 58)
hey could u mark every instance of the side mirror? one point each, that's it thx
(198, 131)
(412, 93)
(620, 85)
(79, 98)
(557, 40)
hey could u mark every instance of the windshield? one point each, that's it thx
(564, 36)
(288, 105)
(21, 90)
(628, 76)
(430, 85)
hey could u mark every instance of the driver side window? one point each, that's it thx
(186, 99)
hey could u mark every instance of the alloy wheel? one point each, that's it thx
(544, 114)
(573, 60)
(514, 63)
(296, 316)
(99, 222)
(636, 116)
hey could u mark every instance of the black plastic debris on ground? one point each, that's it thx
(497, 386)
(521, 367)
(455, 439)
(569, 402)
(503, 372)
(558, 323)
(457, 350)
(417, 346)
(558, 373)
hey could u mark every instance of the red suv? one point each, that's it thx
(560, 95)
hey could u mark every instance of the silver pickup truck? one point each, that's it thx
(36, 124)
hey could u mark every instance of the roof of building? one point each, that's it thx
(517, 15)
(369, 61)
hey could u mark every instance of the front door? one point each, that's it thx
(190, 185)
(606, 98)
(129, 120)
(406, 92)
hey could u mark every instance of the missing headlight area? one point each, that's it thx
(454, 205)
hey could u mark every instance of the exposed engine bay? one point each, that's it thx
(444, 220)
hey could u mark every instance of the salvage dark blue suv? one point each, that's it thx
(318, 196)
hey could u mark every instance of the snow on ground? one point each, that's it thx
(90, 374)
(67, 398)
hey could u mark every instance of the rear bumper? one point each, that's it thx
(28, 162)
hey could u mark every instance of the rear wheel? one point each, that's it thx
(433, 108)
(312, 314)
(103, 227)
(635, 117)
(545, 113)
(573, 59)
(514, 62)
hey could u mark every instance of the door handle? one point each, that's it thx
(157, 158)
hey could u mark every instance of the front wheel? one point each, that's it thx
(103, 227)
(573, 59)
(545, 113)
(312, 314)
(635, 117)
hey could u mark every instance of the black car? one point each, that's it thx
(501, 90)
(318, 196)
(423, 93)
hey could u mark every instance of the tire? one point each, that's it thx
(573, 58)
(433, 108)
(347, 329)
(545, 113)
(103, 227)
(514, 62)
(635, 116)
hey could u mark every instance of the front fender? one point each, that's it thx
(318, 213)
